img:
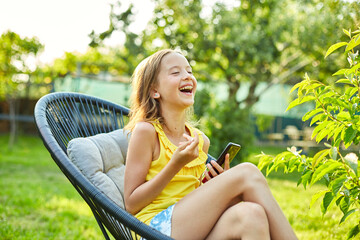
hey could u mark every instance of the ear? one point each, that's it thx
(155, 94)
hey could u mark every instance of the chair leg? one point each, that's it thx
(102, 228)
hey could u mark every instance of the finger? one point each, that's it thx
(227, 162)
(211, 170)
(217, 166)
(182, 145)
(189, 138)
(207, 175)
(195, 141)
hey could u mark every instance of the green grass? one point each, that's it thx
(38, 202)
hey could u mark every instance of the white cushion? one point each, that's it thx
(101, 158)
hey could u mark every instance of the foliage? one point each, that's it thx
(336, 116)
(223, 122)
(14, 53)
(243, 41)
(247, 41)
(15, 71)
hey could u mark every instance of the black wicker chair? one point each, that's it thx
(61, 117)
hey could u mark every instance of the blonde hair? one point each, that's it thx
(142, 106)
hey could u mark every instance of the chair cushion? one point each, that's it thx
(101, 158)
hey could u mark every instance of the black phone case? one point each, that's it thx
(231, 148)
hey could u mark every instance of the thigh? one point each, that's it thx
(196, 214)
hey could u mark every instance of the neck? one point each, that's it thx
(174, 123)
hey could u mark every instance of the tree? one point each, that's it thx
(251, 41)
(133, 50)
(244, 43)
(247, 43)
(14, 70)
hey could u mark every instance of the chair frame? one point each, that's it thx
(63, 116)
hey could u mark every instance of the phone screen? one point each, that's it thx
(231, 148)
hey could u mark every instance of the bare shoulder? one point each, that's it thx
(144, 128)
(144, 132)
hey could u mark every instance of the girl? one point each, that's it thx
(165, 161)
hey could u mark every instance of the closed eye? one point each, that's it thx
(175, 73)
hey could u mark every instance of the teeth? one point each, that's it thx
(186, 88)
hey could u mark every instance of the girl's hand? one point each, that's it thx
(187, 151)
(211, 173)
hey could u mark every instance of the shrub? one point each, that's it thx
(336, 116)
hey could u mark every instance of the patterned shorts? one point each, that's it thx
(162, 221)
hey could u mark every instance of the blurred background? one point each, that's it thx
(245, 54)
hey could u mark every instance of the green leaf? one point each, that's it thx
(337, 184)
(337, 131)
(322, 134)
(327, 167)
(353, 43)
(334, 47)
(354, 231)
(311, 113)
(333, 153)
(327, 200)
(299, 101)
(305, 178)
(347, 214)
(317, 118)
(344, 80)
(316, 196)
(319, 156)
(341, 71)
(297, 86)
(344, 204)
(350, 134)
(264, 161)
(346, 32)
(357, 66)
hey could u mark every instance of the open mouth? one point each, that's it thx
(186, 89)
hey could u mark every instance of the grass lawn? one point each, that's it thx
(38, 202)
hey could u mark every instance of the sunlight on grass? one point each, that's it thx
(60, 204)
(308, 223)
(38, 202)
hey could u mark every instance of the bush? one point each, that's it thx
(223, 122)
(336, 116)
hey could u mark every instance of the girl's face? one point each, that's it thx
(176, 83)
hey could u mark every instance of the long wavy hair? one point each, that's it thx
(145, 78)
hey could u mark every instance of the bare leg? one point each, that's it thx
(208, 203)
(245, 221)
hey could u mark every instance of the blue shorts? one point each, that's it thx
(162, 221)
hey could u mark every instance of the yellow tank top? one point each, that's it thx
(185, 181)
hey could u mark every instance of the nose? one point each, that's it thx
(186, 75)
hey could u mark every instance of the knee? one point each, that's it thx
(249, 174)
(252, 217)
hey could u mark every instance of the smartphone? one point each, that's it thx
(232, 149)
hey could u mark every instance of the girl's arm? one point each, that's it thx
(137, 192)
